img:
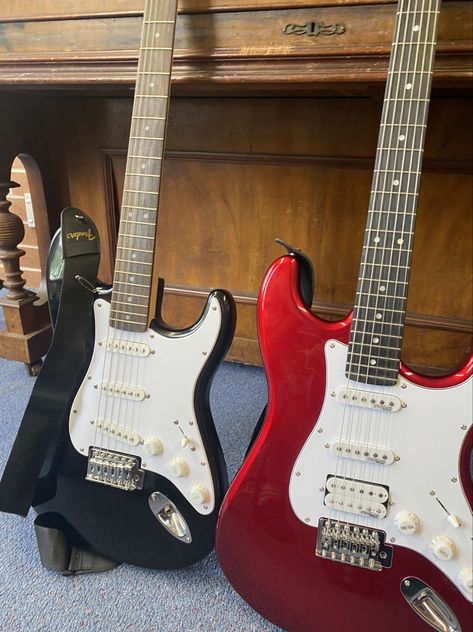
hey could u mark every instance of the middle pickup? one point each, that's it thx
(125, 391)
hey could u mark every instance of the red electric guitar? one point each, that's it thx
(352, 510)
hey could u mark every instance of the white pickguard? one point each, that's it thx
(426, 436)
(168, 376)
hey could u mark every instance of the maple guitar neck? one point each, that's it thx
(130, 304)
(380, 306)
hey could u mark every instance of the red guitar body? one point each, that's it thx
(266, 552)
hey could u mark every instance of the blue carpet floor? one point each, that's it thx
(126, 598)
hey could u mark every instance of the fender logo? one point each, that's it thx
(86, 234)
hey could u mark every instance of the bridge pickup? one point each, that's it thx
(114, 469)
(378, 401)
(356, 497)
(352, 544)
(363, 452)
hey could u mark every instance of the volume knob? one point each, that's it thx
(179, 468)
(442, 547)
(406, 522)
(465, 579)
(153, 446)
(200, 494)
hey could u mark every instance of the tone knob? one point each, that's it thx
(406, 522)
(200, 494)
(179, 468)
(465, 579)
(153, 446)
(442, 547)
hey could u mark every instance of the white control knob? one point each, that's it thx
(200, 494)
(153, 446)
(406, 522)
(465, 579)
(442, 547)
(179, 468)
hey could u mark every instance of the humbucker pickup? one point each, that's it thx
(352, 544)
(114, 469)
(357, 497)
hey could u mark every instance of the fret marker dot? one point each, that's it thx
(379, 316)
(147, 128)
(416, 27)
(127, 317)
(382, 288)
(372, 362)
(402, 137)
(129, 299)
(396, 183)
(132, 278)
(143, 166)
(400, 241)
(408, 86)
(151, 85)
(130, 214)
(133, 256)
(375, 340)
(157, 35)
(146, 216)
(377, 240)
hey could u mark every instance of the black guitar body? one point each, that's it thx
(116, 523)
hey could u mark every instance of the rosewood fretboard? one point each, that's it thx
(380, 306)
(137, 234)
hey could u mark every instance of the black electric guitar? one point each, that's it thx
(135, 470)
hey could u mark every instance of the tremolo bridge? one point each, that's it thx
(352, 544)
(114, 469)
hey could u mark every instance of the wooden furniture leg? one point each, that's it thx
(27, 335)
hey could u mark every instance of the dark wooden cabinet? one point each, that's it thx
(273, 129)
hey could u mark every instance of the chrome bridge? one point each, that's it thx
(352, 544)
(114, 469)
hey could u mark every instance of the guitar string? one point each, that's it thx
(115, 333)
(119, 406)
(400, 216)
(133, 410)
(171, 16)
(359, 416)
(421, 81)
(344, 462)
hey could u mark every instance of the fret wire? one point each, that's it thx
(146, 175)
(129, 322)
(137, 191)
(116, 301)
(130, 221)
(134, 261)
(132, 273)
(145, 157)
(145, 138)
(140, 208)
(135, 249)
(126, 283)
(132, 294)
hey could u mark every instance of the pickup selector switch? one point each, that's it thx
(465, 579)
(179, 468)
(153, 446)
(442, 547)
(200, 494)
(406, 522)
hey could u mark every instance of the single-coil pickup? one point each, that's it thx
(365, 399)
(127, 347)
(121, 433)
(356, 497)
(136, 393)
(362, 452)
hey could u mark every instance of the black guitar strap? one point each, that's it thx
(61, 372)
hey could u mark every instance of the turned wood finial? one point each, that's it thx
(12, 233)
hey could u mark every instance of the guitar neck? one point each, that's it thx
(380, 306)
(133, 274)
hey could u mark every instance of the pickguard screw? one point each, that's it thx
(203, 463)
(407, 583)
(454, 479)
(89, 377)
(151, 336)
(332, 394)
(463, 427)
(319, 430)
(206, 506)
(392, 539)
(75, 412)
(432, 493)
(403, 385)
(404, 405)
(307, 519)
(397, 458)
(191, 423)
(327, 445)
(176, 422)
(82, 449)
(321, 489)
(214, 308)
(204, 353)
(143, 465)
(298, 473)
(92, 422)
(332, 345)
